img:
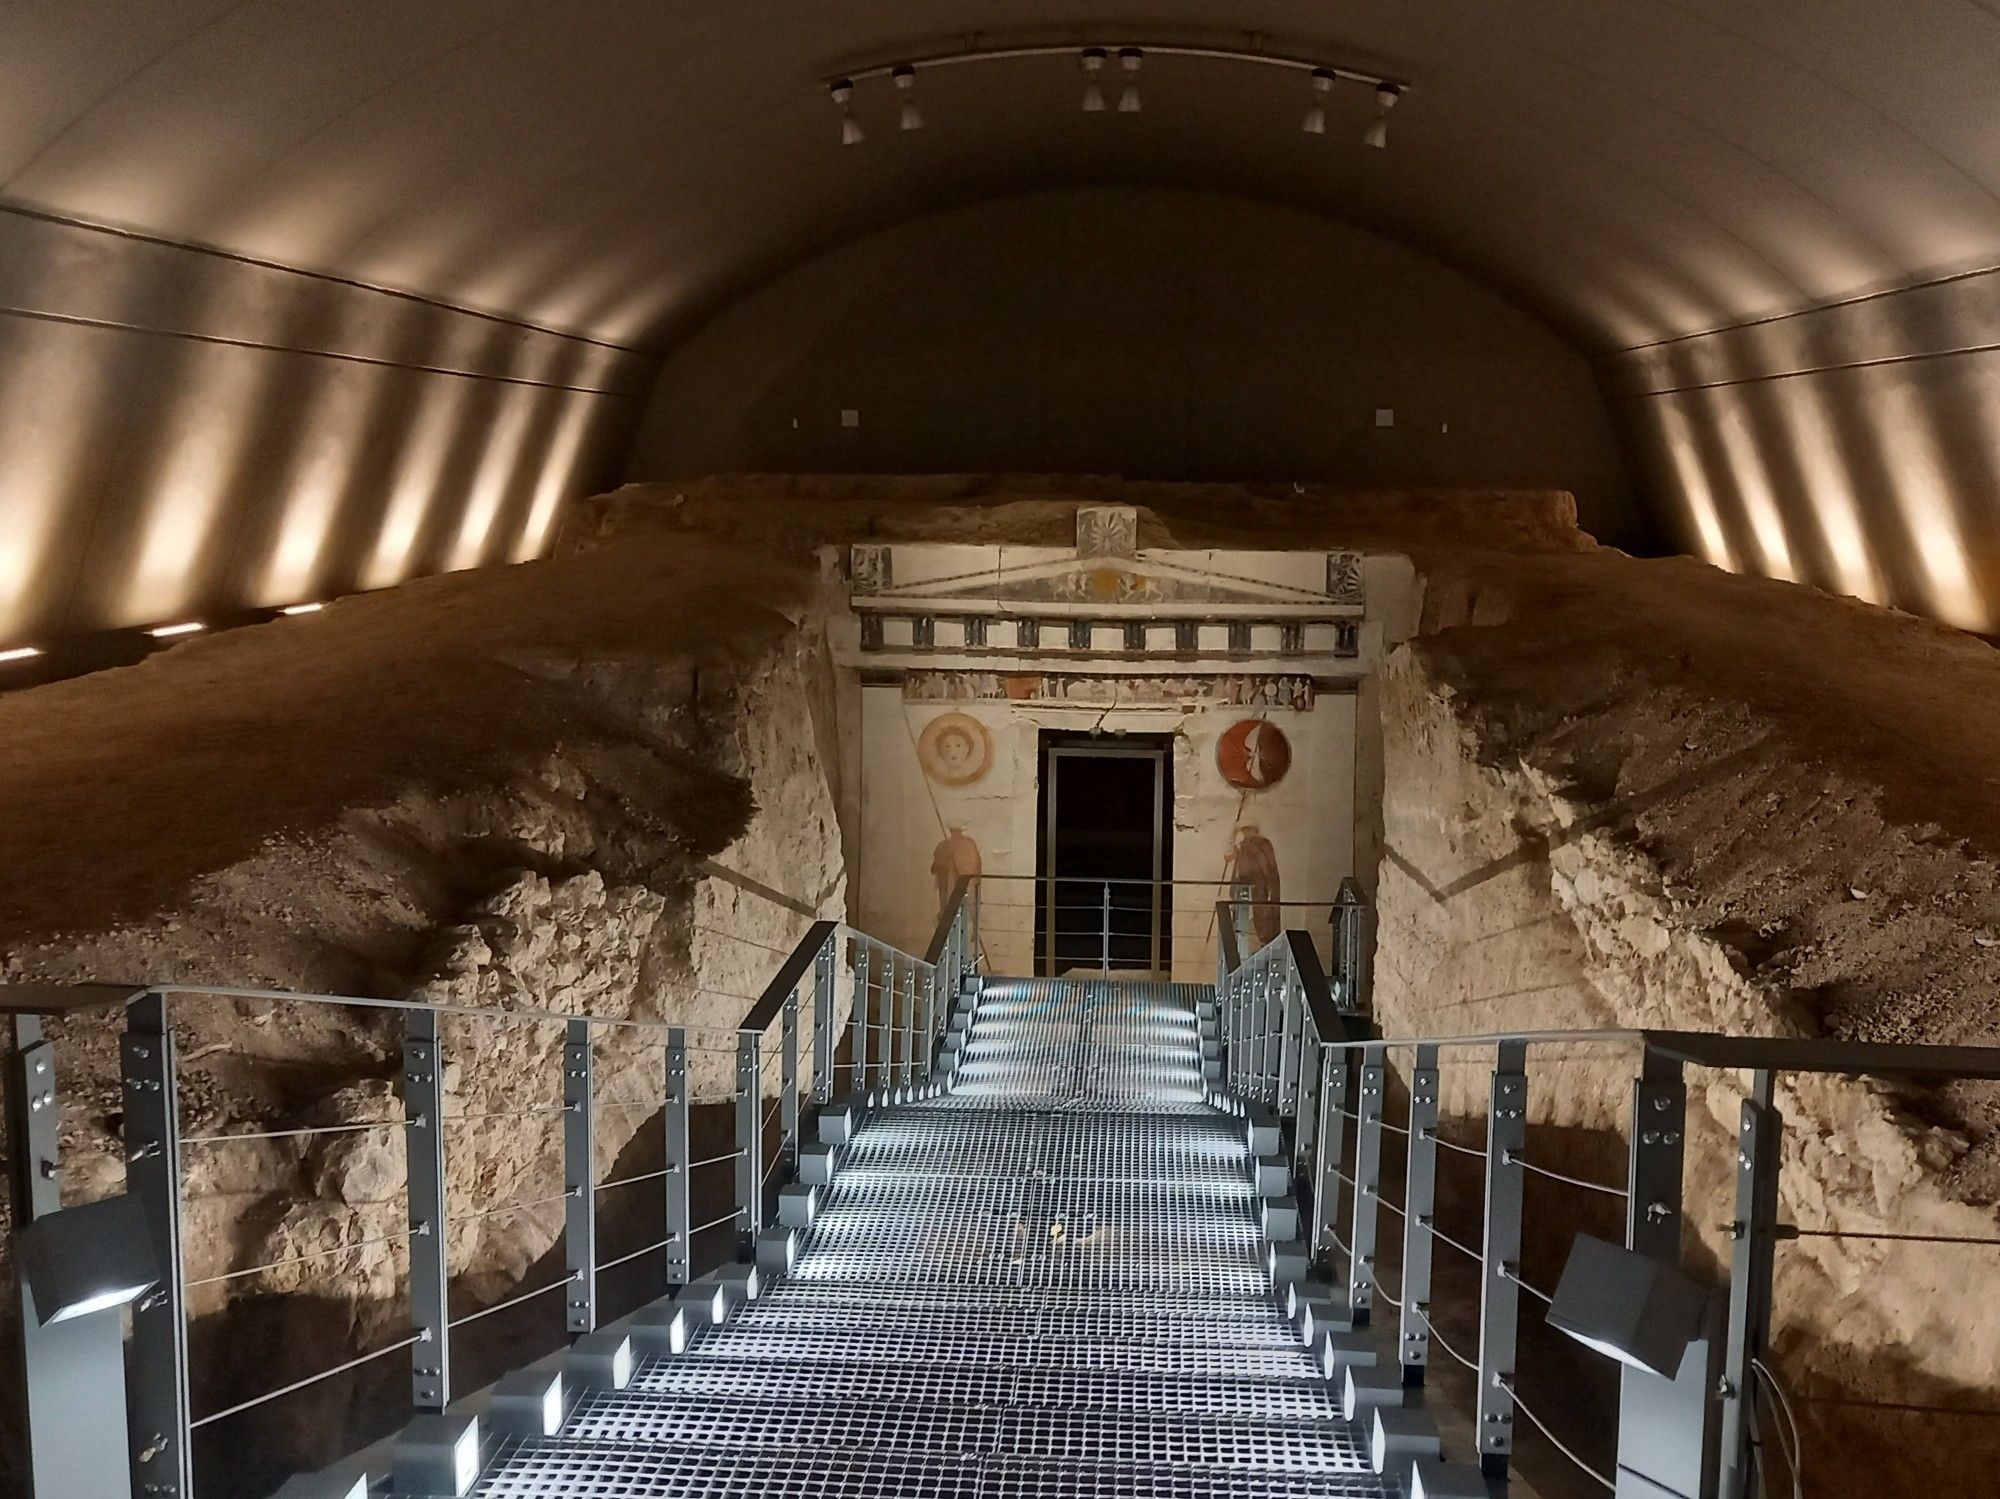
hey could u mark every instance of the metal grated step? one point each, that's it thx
(1048, 1281)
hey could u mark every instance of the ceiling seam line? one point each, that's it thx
(217, 252)
(1818, 369)
(75, 320)
(1860, 299)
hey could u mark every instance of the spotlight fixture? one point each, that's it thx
(1322, 85)
(87, 1259)
(302, 608)
(1094, 62)
(1093, 91)
(1129, 59)
(20, 653)
(906, 81)
(1639, 1310)
(167, 632)
(851, 133)
(1386, 95)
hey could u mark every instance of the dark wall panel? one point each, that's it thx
(1156, 334)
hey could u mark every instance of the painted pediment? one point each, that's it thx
(1106, 567)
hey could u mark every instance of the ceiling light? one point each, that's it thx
(1322, 85)
(906, 80)
(302, 608)
(1128, 59)
(1386, 95)
(20, 653)
(851, 133)
(1093, 92)
(167, 632)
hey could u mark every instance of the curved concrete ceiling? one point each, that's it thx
(1634, 171)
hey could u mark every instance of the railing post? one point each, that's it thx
(430, 1273)
(1332, 1145)
(579, 1177)
(749, 1139)
(788, 1086)
(1500, 1255)
(1107, 926)
(1367, 1189)
(861, 1022)
(823, 1027)
(159, 1378)
(1271, 1042)
(1755, 1231)
(1350, 915)
(1306, 1089)
(908, 1064)
(1419, 1214)
(679, 1152)
(1666, 1427)
(1291, 1025)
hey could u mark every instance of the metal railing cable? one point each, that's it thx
(300, 1384)
(1515, 1158)
(308, 1257)
(294, 1134)
(513, 1301)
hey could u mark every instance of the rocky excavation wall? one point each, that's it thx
(649, 827)
(1516, 894)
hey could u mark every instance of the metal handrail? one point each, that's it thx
(919, 996)
(1297, 1058)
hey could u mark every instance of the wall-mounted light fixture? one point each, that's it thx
(1094, 61)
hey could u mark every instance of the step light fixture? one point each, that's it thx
(1094, 63)
(20, 653)
(168, 632)
(295, 609)
(1634, 1308)
(87, 1259)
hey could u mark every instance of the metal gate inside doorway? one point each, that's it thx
(1105, 866)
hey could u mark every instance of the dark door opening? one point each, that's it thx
(1105, 853)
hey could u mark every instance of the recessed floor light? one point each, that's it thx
(163, 632)
(20, 653)
(302, 608)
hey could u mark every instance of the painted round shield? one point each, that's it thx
(1253, 754)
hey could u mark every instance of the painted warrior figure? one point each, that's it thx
(1253, 863)
(956, 858)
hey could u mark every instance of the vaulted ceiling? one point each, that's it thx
(1774, 224)
(1634, 170)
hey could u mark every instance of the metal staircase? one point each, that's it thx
(1050, 1278)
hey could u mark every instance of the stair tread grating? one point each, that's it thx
(1048, 1280)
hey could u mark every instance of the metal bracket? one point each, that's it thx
(1500, 1256)
(160, 1408)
